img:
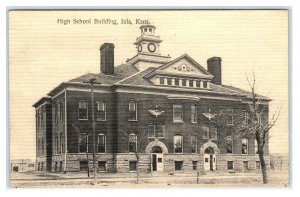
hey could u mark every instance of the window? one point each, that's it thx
(194, 144)
(160, 131)
(83, 165)
(169, 81)
(228, 145)
(132, 143)
(132, 166)
(156, 131)
(183, 82)
(198, 84)
(257, 165)
(230, 165)
(101, 143)
(205, 133)
(177, 82)
(101, 111)
(230, 116)
(177, 113)
(42, 147)
(178, 139)
(194, 165)
(42, 120)
(56, 144)
(244, 146)
(102, 166)
(151, 131)
(55, 113)
(61, 111)
(205, 84)
(161, 80)
(191, 83)
(61, 166)
(213, 133)
(210, 133)
(38, 147)
(246, 117)
(82, 110)
(246, 165)
(83, 142)
(255, 146)
(42, 168)
(132, 116)
(193, 113)
(178, 165)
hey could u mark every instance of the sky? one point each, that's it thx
(43, 53)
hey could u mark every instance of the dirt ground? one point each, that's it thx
(180, 179)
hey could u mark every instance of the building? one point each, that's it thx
(172, 101)
(21, 165)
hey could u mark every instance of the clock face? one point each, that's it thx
(151, 47)
(140, 47)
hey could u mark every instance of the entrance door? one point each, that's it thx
(210, 160)
(157, 162)
(160, 163)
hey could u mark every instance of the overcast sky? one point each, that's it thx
(43, 53)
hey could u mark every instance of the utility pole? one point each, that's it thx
(92, 82)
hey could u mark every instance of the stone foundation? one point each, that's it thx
(120, 162)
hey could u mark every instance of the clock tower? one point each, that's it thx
(147, 45)
(148, 42)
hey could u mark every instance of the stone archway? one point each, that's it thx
(156, 151)
(207, 145)
(156, 143)
(209, 151)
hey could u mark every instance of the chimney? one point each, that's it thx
(107, 58)
(214, 67)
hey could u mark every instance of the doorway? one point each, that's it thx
(157, 161)
(210, 161)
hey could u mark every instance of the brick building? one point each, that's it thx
(172, 100)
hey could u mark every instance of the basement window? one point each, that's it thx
(178, 165)
(230, 165)
(132, 166)
(102, 166)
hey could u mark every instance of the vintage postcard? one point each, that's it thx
(148, 98)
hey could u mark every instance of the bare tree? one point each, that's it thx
(256, 125)
(139, 137)
(250, 125)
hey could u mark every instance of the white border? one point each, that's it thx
(294, 96)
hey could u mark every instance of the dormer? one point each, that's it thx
(182, 72)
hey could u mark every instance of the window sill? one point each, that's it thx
(194, 122)
(83, 119)
(178, 153)
(101, 120)
(132, 120)
(132, 170)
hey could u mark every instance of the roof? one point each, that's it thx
(120, 72)
(244, 92)
(41, 101)
(129, 75)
